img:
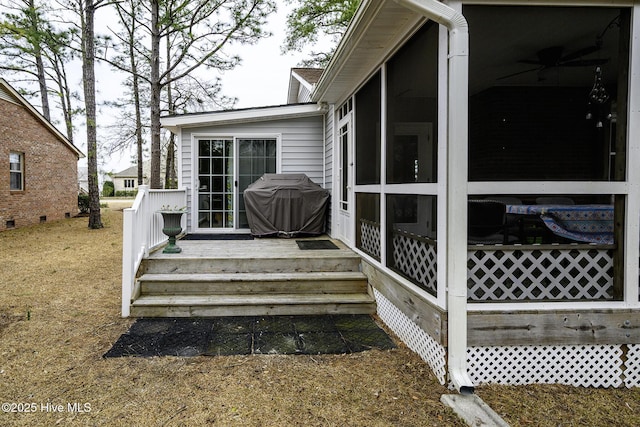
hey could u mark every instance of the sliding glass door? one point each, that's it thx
(255, 158)
(226, 167)
(215, 183)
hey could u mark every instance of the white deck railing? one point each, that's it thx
(142, 232)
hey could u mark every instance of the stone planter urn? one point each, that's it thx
(172, 228)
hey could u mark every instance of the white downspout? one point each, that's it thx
(457, 148)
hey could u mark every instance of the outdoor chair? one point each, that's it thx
(513, 222)
(487, 223)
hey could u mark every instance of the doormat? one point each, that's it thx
(218, 237)
(227, 336)
(316, 244)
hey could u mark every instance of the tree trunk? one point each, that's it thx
(170, 170)
(170, 180)
(139, 141)
(44, 95)
(37, 53)
(89, 80)
(155, 95)
(136, 102)
(64, 93)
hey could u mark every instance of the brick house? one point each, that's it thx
(40, 178)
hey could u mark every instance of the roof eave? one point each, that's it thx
(348, 43)
(174, 123)
(41, 118)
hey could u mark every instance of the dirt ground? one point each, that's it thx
(60, 312)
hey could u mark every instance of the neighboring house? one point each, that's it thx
(126, 180)
(418, 126)
(40, 179)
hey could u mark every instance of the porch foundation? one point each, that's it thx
(552, 358)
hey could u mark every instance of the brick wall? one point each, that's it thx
(50, 170)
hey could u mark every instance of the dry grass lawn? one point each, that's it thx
(60, 312)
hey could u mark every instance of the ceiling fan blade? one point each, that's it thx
(580, 53)
(520, 72)
(585, 62)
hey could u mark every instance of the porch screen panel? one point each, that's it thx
(368, 223)
(368, 132)
(215, 180)
(411, 238)
(532, 120)
(412, 109)
(255, 158)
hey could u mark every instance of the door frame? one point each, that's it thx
(195, 137)
(345, 224)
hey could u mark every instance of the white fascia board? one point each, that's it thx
(173, 123)
(292, 94)
(302, 81)
(358, 26)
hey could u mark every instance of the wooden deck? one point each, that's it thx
(251, 277)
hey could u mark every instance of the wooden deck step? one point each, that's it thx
(251, 305)
(250, 265)
(253, 283)
(251, 278)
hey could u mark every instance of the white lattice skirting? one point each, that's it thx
(555, 274)
(632, 366)
(413, 336)
(415, 258)
(577, 365)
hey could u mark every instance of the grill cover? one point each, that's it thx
(285, 204)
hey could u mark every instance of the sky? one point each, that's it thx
(261, 79)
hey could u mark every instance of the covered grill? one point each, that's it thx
(286, 204)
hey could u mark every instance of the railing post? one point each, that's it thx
(143, 219)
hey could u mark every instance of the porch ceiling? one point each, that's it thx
(380, 26)
(377, 28)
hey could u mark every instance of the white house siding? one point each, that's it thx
(304, 94)
(301, 146)
(328, 147)
(328, 155)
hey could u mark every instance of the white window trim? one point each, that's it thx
(17, 171)
(193, 193)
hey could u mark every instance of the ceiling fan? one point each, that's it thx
(553, 56)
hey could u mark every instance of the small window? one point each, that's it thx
(129, 183)
(345, 109)
(16, 171)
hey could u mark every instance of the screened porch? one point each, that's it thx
(548, 194)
